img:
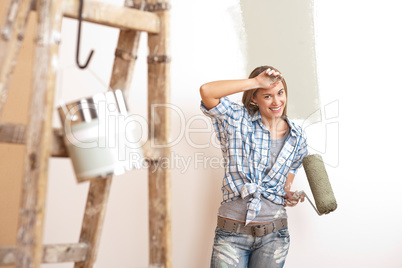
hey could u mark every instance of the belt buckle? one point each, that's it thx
(261, 230)
(258, 230)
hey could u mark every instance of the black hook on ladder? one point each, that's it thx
(79, 39)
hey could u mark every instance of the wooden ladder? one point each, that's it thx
(42, 141)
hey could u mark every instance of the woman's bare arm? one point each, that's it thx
(211, 92)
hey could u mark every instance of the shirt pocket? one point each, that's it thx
(232, 126)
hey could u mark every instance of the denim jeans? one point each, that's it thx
(242, 250)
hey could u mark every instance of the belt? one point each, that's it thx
(254, 230)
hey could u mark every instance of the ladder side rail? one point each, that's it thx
(160, 244)
(12, 35)
(39, 133)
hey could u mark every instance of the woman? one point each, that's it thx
(263, 150)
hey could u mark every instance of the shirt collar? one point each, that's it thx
(294, 131)
(256, 116)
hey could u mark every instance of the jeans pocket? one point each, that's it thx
(220, 232)
(283, 232)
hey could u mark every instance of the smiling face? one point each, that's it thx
(271, 102)
(249, 95)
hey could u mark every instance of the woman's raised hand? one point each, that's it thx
(269, 78)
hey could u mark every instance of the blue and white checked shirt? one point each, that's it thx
(245, 144)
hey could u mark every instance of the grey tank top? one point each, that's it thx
(237, 209)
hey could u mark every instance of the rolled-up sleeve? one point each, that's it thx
(219, 110)
(301, 153)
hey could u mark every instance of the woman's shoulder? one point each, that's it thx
(234, 104)
(225, 108)
(296, 127)
(238, 109)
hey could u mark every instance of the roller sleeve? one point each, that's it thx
(319, 183)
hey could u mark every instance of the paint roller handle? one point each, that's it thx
(302, 194)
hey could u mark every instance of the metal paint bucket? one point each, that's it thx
(100, 136)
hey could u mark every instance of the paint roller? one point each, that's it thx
(319, 184)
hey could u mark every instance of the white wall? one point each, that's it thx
(358, 67)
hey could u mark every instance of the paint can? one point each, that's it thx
(100, 136)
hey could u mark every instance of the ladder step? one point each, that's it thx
(16, 133)
(51, 253)
(112, 15)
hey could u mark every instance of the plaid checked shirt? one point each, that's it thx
(245, 144)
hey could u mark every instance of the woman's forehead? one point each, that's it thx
(274, 90)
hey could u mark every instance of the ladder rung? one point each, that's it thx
(16, 133)
(112, 15)
(51, 253)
